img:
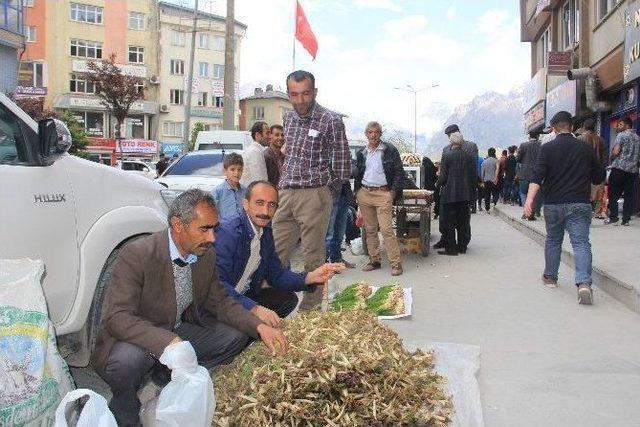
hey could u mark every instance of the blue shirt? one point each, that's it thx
(228, 199)
(174, 253)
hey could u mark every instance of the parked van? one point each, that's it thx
(73, 214)
(236, 140)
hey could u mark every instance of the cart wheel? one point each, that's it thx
(425, 232)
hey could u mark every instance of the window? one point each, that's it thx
(543, 48)
(218, 101)
(30, 33)
(136, 54)
(93, 123)
(86, 13)
(28, 3)
(177, 38)
(203, 40)
(174, 129)
(134, 127)
(204, 69)
(11, 16)
(177, 67)
(570, 23)
(606, 6)
(176, 96)
(136, 20)
(202, 99)
(258, 113)
(12, 144)
(218, 43)
(86, 49)
(31, 74)
(140, 86)
(218, 71)
(78, 84)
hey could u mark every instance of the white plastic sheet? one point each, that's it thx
(95, 412)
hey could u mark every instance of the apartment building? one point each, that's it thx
(11, 42)
(176, 24)
(584, 59)
(266, 105)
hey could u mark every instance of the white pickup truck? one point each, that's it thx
(74, 215)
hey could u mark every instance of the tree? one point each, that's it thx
(197, 128)
(401, 143)
(34, 107)
(78, 135)
(117, 91)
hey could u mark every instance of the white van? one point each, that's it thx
(73, 214)
(236, 140)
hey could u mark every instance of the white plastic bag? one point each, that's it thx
(95, 412)
(188, 399)
(357, 247)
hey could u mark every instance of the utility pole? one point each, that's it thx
(187, 107)
(228, 110)
(411, 89)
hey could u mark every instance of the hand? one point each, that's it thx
(323, 273)
(273, 338)
(528, 208)
(175, 340)
(267, 316)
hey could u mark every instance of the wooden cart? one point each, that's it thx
(412, 216)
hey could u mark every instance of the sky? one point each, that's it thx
(367, 48)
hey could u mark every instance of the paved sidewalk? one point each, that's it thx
(545, 360)
(616, 252)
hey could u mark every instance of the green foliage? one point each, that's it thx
(78, 135)
(197, 128)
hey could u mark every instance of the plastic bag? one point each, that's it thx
(357, 248)
(188, 399)
(95, 412)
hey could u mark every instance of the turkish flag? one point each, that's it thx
(304, 33)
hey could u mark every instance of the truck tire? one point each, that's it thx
(95, 313)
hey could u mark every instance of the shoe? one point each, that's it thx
(396, 270)
(435, 216)
(625, 222)
(549, 282)
(439, 245)
(370, 266)
(532, 218)
(608, 221)
(473, 211)
(462, 250)
(160, 375)
(585, 294)
(448, 253)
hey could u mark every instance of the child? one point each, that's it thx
(228, 195)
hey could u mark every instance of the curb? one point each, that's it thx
(624, 292)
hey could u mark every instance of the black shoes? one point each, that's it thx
(448, 253)
(439, 245)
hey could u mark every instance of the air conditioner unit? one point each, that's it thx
(164, 108)
(154, 80)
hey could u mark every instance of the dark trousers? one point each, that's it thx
(621, 183)
(480, 193)
(128, 364)
(436, 202)
(282, 302)
(457, 222)
(491, 191)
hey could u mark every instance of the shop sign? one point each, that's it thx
(206, 112)
(171, 148)
(562, 98)
(103, 142)
(559, 62)
(140, 146)
(31, 90)
(80, 66)
(96, 104)
(534, 117)
(631, 67)
(535, 90)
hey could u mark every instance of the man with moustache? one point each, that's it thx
(247, 257)
(316, 163)
(273, 156)
(164, 289)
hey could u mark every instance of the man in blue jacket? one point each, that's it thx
(246, 256)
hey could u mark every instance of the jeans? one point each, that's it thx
(490, 192)
(508, 191)
(337, 228)
(621, 183)
(575, 218)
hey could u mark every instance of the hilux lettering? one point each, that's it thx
(49, 198)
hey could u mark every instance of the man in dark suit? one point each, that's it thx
(527, 155)
(457, 183)
(164, 289)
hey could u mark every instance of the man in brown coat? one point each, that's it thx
(164, 289)
(597, 142)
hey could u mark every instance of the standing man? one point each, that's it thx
(502, 166)
(255, 168)
(165, 289)
(162, 164)
(273, 156)
(596, 142)
(489, 178)
(457, 181)
(527, 155)
(566, 167)
(511, 163)
(624, 171)
(378, 182)
(316, 162)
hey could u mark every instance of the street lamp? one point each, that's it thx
(411, 89)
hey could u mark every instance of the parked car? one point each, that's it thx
(138, 167)
(197, 169)
(73, 214)
(235, 140)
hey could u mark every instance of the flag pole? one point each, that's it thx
(295, 24)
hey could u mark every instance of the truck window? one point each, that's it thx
(12, 144)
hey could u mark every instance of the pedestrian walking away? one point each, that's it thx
(378, 182)
(566, 167)
(527, 155)
(488, 175)
(316, 162)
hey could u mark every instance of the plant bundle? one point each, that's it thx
(387, 301)
(342, 369)
(352, 297)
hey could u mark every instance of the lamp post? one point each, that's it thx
(415, 91)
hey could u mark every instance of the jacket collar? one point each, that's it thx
(249, 228)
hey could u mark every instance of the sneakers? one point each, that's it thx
(370, 266)
(396, 270)
(625, 222)
(549, 282)
(585, 294)
(608, 221)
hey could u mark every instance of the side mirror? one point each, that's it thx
(54, 137)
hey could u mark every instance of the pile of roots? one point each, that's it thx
(342, 369)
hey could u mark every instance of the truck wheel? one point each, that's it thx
(95, 313)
